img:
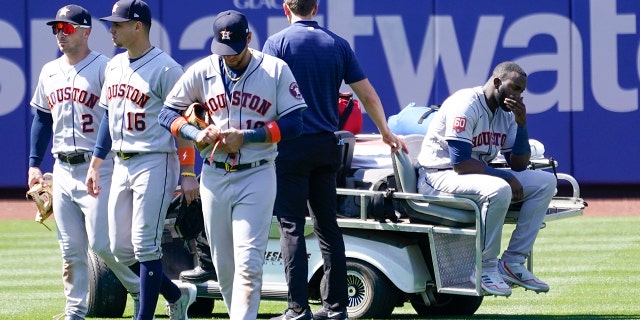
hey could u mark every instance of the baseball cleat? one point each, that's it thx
(178, 309)
(492, 283)
(66, 317)
(518, 274)
(325, 313)
(291, 314)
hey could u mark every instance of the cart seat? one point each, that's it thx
(447, 212)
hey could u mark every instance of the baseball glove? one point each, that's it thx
(189, 222)
(43, 197)
(198, 116)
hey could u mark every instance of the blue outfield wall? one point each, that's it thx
(582, 57)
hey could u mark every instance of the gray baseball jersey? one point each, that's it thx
(267, 91)
(135, 91)
(465, 116)
(71, 98)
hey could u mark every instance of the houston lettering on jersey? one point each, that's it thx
(242, 99)
(128, 92)
(72, 94)
(489, 138)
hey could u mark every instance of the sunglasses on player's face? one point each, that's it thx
(66, 28)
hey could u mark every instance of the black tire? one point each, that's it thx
(202, 307)
(371, 294)
(107, 297)
(447, 305)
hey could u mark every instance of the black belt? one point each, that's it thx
(73, 158)
(228, 167)
(127, 155)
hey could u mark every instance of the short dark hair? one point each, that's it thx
(301, 7)
(507, 67)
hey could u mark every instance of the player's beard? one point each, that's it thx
(500, 96)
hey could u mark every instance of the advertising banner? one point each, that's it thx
(581, 56)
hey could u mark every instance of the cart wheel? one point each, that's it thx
(369, 291)
(447, 305)
(107, 297)
(202, 307)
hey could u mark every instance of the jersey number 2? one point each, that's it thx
(87, 122)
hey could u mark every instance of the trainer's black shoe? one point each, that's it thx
(291, 314)
(325, 313)
(198, 275)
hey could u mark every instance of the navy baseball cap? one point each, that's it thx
(127, 10)
(230, 30)
(73, 14)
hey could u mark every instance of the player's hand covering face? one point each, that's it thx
(511, 87)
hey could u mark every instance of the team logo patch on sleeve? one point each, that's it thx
(459, 124)
(294, 90)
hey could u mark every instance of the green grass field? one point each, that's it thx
(591, 263)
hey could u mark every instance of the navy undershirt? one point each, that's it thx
(40, 136)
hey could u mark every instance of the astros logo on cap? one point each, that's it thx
(226, 35)
(64, 11)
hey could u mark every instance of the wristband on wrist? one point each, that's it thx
(176, 125)
(521, 144)
(258, 135)
(273, 132)
(188, 174)
(187, 156)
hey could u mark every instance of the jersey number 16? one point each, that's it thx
(135, 121)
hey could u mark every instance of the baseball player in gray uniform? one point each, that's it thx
(254, 102)
(145, 173)
(465, 135)
(65, 102)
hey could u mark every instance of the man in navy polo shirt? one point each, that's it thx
(320, 61)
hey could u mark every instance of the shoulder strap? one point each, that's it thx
(345, 114)
(431, 110)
